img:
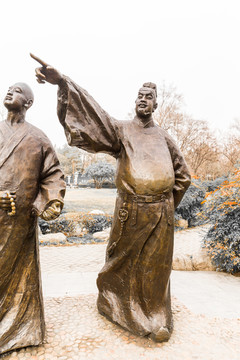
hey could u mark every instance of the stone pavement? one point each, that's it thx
(206, 312)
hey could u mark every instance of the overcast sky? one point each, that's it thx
(110, 47)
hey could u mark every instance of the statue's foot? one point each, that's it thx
(163, 334)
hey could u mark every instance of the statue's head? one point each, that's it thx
(19, 97)
(146, 102)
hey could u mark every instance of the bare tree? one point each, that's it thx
(231, 149)
(73, 159)
(170, 103)
(193, 137)
(236, 129)
(236, 125)
(204, 151)
(230, 145)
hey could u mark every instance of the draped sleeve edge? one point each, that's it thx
(85, 123)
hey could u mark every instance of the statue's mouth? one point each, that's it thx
(142, 105)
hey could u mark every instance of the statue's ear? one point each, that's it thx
(155, 106)
(28, 104)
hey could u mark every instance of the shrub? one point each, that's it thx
(66, 223)
(222, 241)
(59, 225)
(101, 172)
(224, 198)
(211, 185)
(94, 223)
(191, 204)
(191, 207)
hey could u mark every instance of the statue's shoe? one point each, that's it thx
(162, 335)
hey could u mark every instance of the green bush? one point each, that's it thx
(94, 223)
(66, 223)
(101, 172)
(222, 207)
(223, 242)
(211, 185)
(59, 225)
(191, 207)
(191, 204)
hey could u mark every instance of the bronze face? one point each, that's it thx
(18, 96)
(145, 102)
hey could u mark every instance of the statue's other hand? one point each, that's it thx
(46, 72)
(52, 211)
(5, 202)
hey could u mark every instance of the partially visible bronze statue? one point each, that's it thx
(31, 185)
(152, 177)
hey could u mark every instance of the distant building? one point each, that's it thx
(77, 179)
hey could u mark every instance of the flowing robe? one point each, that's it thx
(151, 178)
(28, 166)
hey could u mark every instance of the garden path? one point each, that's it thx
(203, 292)
(205, 309)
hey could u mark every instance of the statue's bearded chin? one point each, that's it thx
(143, 112)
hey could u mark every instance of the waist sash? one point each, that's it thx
(135, 199)
(144, 198)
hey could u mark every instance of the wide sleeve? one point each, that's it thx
(85, 123)
(182, 174)
(51, 183)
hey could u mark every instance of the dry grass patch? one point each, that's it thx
(86, 200)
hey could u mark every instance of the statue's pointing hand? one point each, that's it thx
(46, 72)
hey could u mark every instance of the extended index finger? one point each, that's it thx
(43, 63)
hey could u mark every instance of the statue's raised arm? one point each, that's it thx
(85, 123)
(46, 72)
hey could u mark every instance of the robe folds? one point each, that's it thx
(151, 178)
(29, 167)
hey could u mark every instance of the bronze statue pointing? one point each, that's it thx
(31, 185)
(152, 177)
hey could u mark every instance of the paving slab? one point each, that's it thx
(209, 293)
(205, 311)
(75, 331)
(75, 269)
